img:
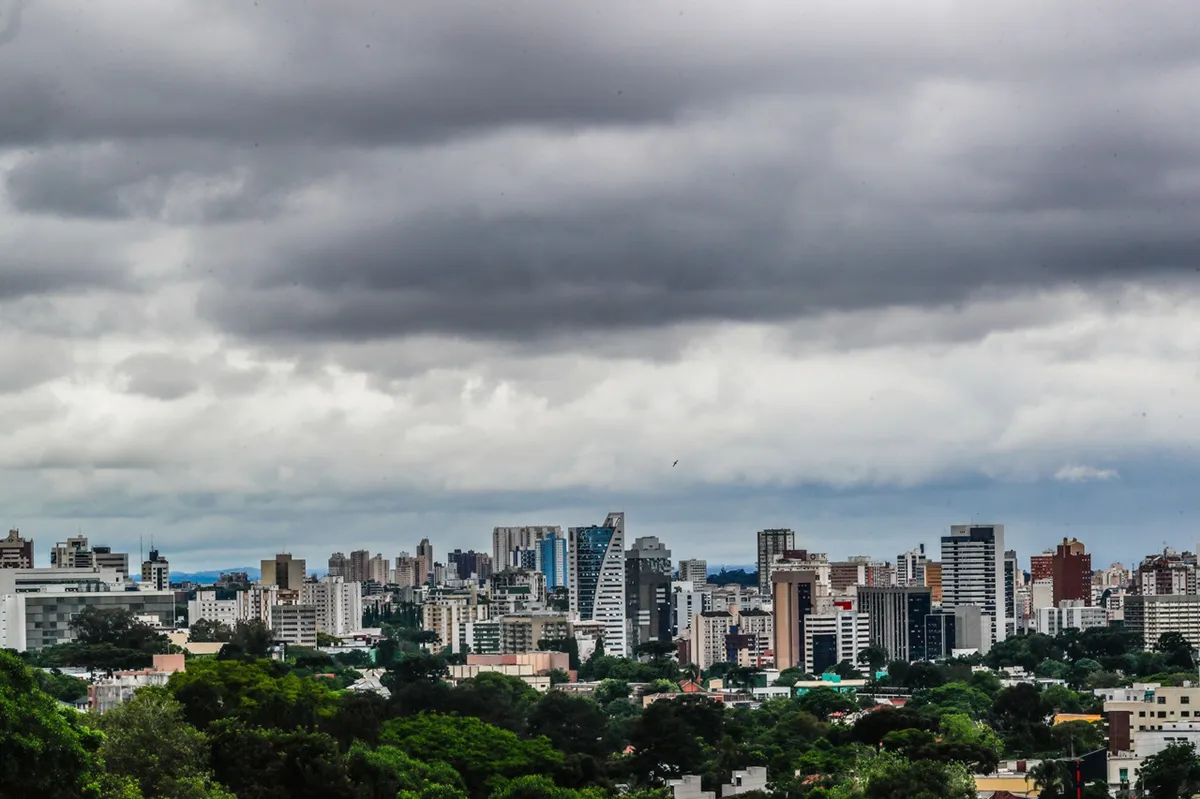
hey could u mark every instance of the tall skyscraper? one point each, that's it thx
(283, 571)
(770, 544)
(378, 569)
(425, 561)
(1012, 581)
(910, 567)
(339, 565)
(596, 569)
(552, 560)
(973, 572)
(694, 571)
(16, 552)
(793, 596)
(648, 592)
(1072, 572)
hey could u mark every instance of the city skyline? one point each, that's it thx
(861, 270)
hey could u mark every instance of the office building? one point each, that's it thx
(973, 572)
(1071, 614)
(294, 624)
(360, 564)
(552, 559)
(339, 565)
(772, 544)
(105, 558)
(933, 579)
(686, 602)
(831, 638)
(16, 552)
(793, 597)
(973, 629)
(425, 562)
(34, 620)
(897, 619)
(283, 571)
(74, 553)
(596, 574)
(647, 592)
(156, 572)
(338, 605)
(910, 567)
(207, 607)
(1072, 573)
(1041, 567)
(516, 590)
(755, 639)
(1153, 615)
(694, 571)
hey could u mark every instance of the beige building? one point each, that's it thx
(793, 593)
(1151, 616)
(708, 637)
(294, 624)
(448, 613)
(338, 605)
(283, 571)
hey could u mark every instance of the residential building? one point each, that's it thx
(16, 552)
(406, 574)
(910, 567)
(1041, 567)
(1168, 573)
(708, 632)
(506, 540)
(255, 603)
(514, 590)
(694, 571)
(1012, 581)
(1151, 616)
(973, 572)
(596, 572)
(831, 638)
(771, 544)
(284, 571)
(756, 628)
(1072, 573)
(686, 602)
(448, 612)
(156, 572)
(897, 619)
(973, 629)
(647, 592)
(338, 605)
(294, 624)
(378, 570)
(425, 561)
(105, 558)
(552, 558)
(360, 564)
(206, 607)
(107, 692)
(339, 565)
(74, 553)
(1071, 614)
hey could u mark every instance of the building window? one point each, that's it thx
(1162, 714)
(1185, 700)
(1162, 700)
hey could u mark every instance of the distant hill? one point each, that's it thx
(205, 577)
(734, 576)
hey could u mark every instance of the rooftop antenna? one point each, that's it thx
(141, 548)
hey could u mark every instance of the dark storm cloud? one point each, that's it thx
(934, 155)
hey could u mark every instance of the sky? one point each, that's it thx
(325, 276)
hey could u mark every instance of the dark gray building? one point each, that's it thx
(647, 592)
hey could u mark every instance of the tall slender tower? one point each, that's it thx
(770, 544)
(973, 572)
(596, 569)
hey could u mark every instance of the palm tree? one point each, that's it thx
(1052, 778)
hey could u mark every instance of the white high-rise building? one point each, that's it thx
(596, 576)
(338, 604)
(910, 567)
(973, 572)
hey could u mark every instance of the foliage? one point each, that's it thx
(873, 657)
(209, 630)
(261, 693)
(46, 751)
(147, 741)
(734, 577)
(1173, 773)
(250, 639)
(480, 753)
(62, 687)
(891, 776)
(823, 702)
(675, 737)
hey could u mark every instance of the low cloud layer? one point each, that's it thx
(403, 267)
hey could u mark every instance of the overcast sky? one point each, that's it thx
(322, 276)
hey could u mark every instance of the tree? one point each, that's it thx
(568, 645)
(480, 753)
(609, 690)
(206, 630)
(1019, 714)
(496, 699)
(675, 737)
(62, 687)
(873, 657)
(147, 740)
(383, 772)
(923, 675)
(117, 627)
(260, 763)
(844, 669)
(1173, 773)
(558, 677)
(789, 677)
(891, 776)
(956, 697)
(1176, 650)
(250, 638)
(46, 753)
(572, 724)
(823, 702)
